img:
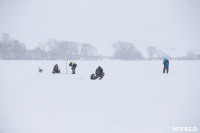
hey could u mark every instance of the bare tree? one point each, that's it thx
(38, 54)
(87, 51)
(126, 51)
(52, 44)
(63, 50)
(161, 55)
(11, 49)
(68, 50)
(151, 50)
(190, 56)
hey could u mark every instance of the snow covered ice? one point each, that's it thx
(133, 97)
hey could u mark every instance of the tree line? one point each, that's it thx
(154, 53)
(11, 49)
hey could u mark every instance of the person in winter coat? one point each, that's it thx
(73, 65)
(166, 65)
(98, 74)
(56, 69)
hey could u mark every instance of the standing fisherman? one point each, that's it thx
(166, 65)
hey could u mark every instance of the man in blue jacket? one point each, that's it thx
(166, 65)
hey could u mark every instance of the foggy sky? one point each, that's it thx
(170, 25)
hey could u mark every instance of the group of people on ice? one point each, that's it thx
(72, 64)
(98, 73)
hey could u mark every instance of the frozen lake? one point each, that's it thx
(133, 97)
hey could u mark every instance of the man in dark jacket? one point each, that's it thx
(73, 65)
(98, 74)
(56, 69)
(166, 65)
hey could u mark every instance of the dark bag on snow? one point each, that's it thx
(92, 77)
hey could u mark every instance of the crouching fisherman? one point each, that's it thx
(56, 69)
(98, 74)
(73, 65)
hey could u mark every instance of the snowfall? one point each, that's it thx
(133, 97)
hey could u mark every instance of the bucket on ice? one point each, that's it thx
(40, 70)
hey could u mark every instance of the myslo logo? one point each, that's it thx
(185, 129)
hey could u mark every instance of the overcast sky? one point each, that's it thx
(170, 25)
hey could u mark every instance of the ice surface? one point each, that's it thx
(134, 96)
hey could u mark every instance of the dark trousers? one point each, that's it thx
(100, 75)
(73, 69)
(165, 68)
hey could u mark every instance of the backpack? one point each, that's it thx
(92, 77)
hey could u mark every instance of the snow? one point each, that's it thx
(133, 96)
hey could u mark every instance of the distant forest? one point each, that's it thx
(11, 49)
